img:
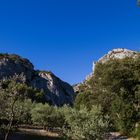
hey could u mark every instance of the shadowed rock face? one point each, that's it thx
(57, 92)
(13, 64)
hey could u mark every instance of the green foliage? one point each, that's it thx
(25, 107)
(41, 114)
(85, 125)
(18, 81)
(35, 95)
(123, 115)
(113, 91)
(138, 131)
(10, 112)
(14, 106)
(46, 116)
(75, 124)
(10, 93)
(115, 86)
(85, 99)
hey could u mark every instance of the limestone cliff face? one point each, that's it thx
(119, 53)
(57, 92)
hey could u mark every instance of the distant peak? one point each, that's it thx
(118, 53)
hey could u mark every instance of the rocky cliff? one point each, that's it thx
(118, 53)
(57, 92)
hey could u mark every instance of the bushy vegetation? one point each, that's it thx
(74, 124)
(136, 132)
(109, 101)
(115, 86)
(15, 104)
(20, 104)
(47, 116)
(85, 125)
(84, 99)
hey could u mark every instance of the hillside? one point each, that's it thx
(57, 92)
(119, 53)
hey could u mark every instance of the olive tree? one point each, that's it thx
(84, 124)
(13, 102)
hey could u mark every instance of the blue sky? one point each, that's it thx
(65, 36)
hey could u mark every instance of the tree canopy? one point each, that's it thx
(115, 86)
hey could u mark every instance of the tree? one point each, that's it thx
(25, 106)
(124, 115)
(13, 93)
(40, 114)
(115, 87)
(84, 124)
(47, 116)
(75, 124)
(84, 99)
(117, 82)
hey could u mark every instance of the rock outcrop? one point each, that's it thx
(119, 53)
(14, 64)
(57, 92)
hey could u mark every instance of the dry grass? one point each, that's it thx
(38, 132)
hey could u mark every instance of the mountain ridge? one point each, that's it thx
(118, 53)
(57, 92)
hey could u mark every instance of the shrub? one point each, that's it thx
(47, 116)
(41, 113)
(85, 125)
(25, 111)
(123, 115)
(75, 124)
(84, 99)
(137, 131)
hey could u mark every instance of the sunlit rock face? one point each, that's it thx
(118, 54)
(57, 92)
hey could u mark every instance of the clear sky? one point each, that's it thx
(65, 36)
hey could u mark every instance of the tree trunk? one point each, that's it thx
(9, 129)
(11, 121)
